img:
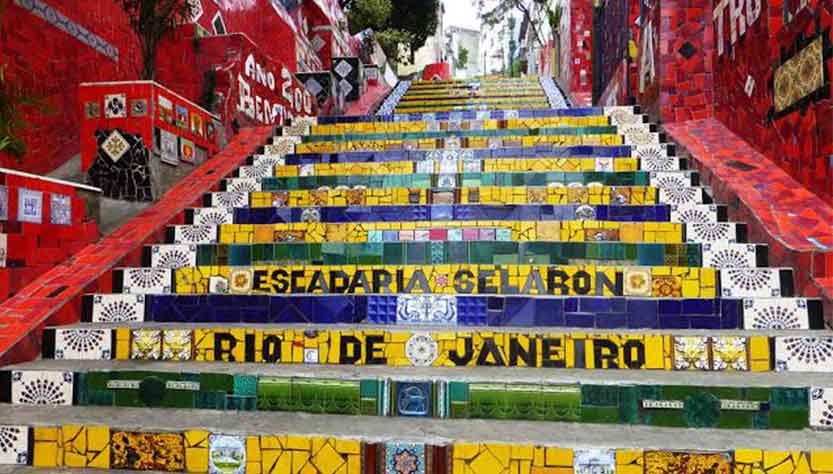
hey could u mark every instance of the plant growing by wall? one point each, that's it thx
(401, 27)
(152, 20)
(462, 58)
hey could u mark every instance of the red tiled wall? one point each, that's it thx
(581, 26)
(648, 91)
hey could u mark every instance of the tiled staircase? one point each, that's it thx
(477, 280)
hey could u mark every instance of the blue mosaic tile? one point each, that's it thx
(413, 399)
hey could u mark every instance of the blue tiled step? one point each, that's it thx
(464, 212)
(520, 311)
(469, 115)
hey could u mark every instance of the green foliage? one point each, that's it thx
(151, 20)
(462, 57)
(400, 25)
(554, 15)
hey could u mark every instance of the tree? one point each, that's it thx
(498, 13)
(417, 17)
(462, 58)
(152, 20)
(403, 24)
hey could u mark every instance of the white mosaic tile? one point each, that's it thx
(14, 444)
(213, 216)
(702, 232)
(775, 313)
(29, 206)
(642, 139)
(115, 106)
(594, 461)
(118, 308)
(195, 234)
(281, 146)
(426, 309)
(726, 255)
(670, 179)
(173, 256)
(144, 281)
(804, 354)
(635, 128)
(83, 344)
(268, 160)
(655, 158)
(41, 387)
(681, 196)
(821, 408)
(230, 199)
(60, 209)
(694, 213)
(254, 171)
(750, 282)
(243, 185)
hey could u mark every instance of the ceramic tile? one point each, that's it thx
(703, 232)
(821, 408)
(41, 387)
(670, 180)
(177, 345)
(14, 444)
(261, 170)
(146, 280)
(594, 461)
(229, 199)
(659, 462)
(775, 313)
(29, 206)
(750, 282)
(4, 203)
(226, 454)
(642, 139)
(682, 196)
(60, 209)
(729, 255)
(405, 458)
(691, 353)
(213, 216)
(421, 350)
(122, 166)
(4, 249)
(426, 309)
(168, 147)
(83, 344)
(729, 354)
(799, 76)
(115, 106)
(195, 234)
(655, 158)
(118, 308)
(804, 354)
(173, 256)
(243, 185)
(413, 399)
(147, 451)
(145, 344)
(694, 213)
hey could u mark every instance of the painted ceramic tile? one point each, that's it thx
(138, 108)
(799, 76)
(147, 451)
(405, 458)
(421, 350)
(60, 209)
(662, 462)
(226, 454)
(804, 354)
(681, 196)
(92, 109)
(605, 164)
(181, 117)
(642, 139)
(692, 213)
(195, 234)
(29, 205)
(670, 180)
(727, 255)
(691, 353)
(213, 216)
(83, 344)
(118, 308)
(257, 171)
(729, 353)
(229, 199)
(145, 280)
(146, 344)
(4, 248)
(775, 313)
(166, 109)
(243, 185)
(115, 146)
(750, 282)
(115, 106)
(197, 125)
(282, 146)
(637, 282)
(426, 309)
(168, 147)
(667, 286)
(311, 215)
(41, 387)
(821, 408)
(413, 398)
(702, 232)
(240, 281)
(173, 256)
(177, 345)
(14, 444)
(187, 152)
(594, 461)
(655, 158)
(4, 203)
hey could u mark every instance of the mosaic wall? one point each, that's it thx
(103, 447)
(121, 168)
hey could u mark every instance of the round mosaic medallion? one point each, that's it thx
(421, 350)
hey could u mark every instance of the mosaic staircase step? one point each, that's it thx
(765, 402)
(142, 439)
(618, 115)
(445, 134)
(487, 252)
(460, 231)
(147, 297)
(696, 213)
(460, 124)
(510, 348)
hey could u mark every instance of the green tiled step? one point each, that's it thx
(729, 401)
(466, 252)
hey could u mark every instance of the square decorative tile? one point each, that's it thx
(181, 116)
(83, 344)
(655, 158)
(29, 205)
(702, 232)
(147, 451)
(177, 344)
(4, 203)
(115, 106)
(14, 444)
(92, 109)
(187, 151)
(804, 354)
(426, 309)
(425, 167)
(750, 282)
(115, 146)
(146, 344)
(775, 313)
(41, 387)
(229, 199)
(594, 461)
(413, 399)
(821, 408)
(173, 256)
(729, 255)
(168, 147)
(60, 209)
(694, 213)
(405, 458)
(637, 282)
(138, 108)
(729, 354)
(213, 216)
(681, 196)
(691, 353)
(195, 234)
(226, 454)
(670, 180)
(118, 308)
(243, 185)
(604, 164)
(310, 355)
